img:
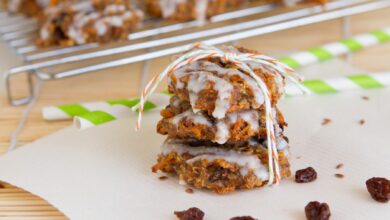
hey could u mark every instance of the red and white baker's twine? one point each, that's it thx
(201, 51)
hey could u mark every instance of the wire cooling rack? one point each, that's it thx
(166, 39)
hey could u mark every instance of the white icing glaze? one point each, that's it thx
(81, 19)
(222, 126)
(250, 116)
(223, 133)
(291, 2)
(198, 81)
(104, 23)
(281, 143)
(246, 162)
(86, 14)
(129, 14)
(253, 142)
(114, 8)
(76, 35)
(201, 11)
(176, 103)
(44, 32)
(82, 6)
(278, 79)
(193, 98)
(202, 66)
(101, 27)
(197, 118)
(115, 21)
(258, 95)
(168, 7)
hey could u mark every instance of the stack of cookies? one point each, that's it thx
(224, 129)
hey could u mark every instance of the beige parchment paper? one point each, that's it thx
(104, 172)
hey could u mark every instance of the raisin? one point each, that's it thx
(243, 218)
(305, 175)
(2, 186)
(317, 211)
(379, 188)
(190, 214)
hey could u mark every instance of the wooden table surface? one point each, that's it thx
(123, 82)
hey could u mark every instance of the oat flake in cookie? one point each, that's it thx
(224, 130)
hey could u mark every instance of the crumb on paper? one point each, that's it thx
(339, 166)
(326, 121)
(162, 178)
(299, 157)
(189, 191)
(365, 98)
(339, 175)
(362, 122)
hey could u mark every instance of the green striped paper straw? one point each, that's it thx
(91, 114)
(95, 113)
(330, 50)
(317, 86)
(339, 84)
